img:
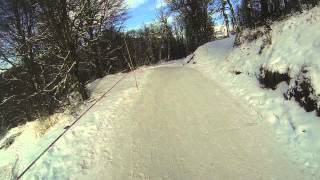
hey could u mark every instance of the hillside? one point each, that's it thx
(290, 66)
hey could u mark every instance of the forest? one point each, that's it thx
(50, 50)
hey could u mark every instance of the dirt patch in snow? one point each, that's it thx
(303, 92)
(300, 90)
(270, 79)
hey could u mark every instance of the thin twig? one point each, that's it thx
(131, 67)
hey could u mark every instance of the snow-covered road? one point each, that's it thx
(184, 126)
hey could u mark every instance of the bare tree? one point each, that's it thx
(41, 53)
(197, 21)
(98, 16)
(225, 15)
(233, 15)
(165, 33)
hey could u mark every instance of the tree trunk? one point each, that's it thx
(264, 10)
(226, 19)
(169, 50)
(248, 13)
(233, 18)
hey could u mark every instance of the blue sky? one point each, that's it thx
(141, 12)
(145, 11)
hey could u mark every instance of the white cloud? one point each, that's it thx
(135, 3)
(160, 3)
(170, 19)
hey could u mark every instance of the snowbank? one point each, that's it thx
(28, 141)
(295, 44)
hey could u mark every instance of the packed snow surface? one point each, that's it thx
(185, 126)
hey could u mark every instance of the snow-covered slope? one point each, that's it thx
(295, 45)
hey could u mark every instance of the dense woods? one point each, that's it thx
(49, 50)
(53, 48)
(255, 13)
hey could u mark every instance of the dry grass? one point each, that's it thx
(45, 123)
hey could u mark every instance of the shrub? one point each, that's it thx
(304, 93)
(270, 79)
